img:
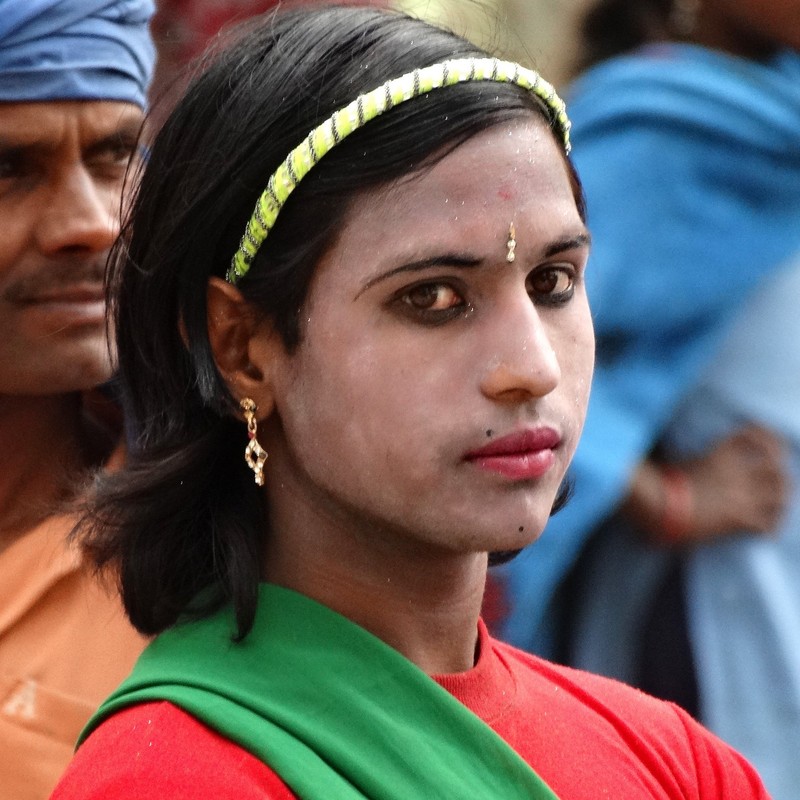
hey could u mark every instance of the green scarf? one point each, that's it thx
(333, 710)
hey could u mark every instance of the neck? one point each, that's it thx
(421, 601)
(47, 440)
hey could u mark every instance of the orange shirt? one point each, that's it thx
(65, 644)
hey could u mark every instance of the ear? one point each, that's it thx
(246, 347)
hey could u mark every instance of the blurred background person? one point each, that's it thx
(686, 515)
(538, 33)
(73, 77)
(184, 29)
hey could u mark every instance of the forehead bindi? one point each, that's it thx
(511, 168)
(455, 207)
(505, 192)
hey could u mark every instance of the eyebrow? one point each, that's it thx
(464, 261)
(571, 243)
(20, 144)
(126, 134)
(458, 260)
(28, 142)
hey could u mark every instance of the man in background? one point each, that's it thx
(73, 82)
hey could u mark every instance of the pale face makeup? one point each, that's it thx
(439, 389)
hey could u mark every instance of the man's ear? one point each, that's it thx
(244, 344)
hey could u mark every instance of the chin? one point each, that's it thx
(514, 541)
(89, 368)
(518, 532)
(57, 380)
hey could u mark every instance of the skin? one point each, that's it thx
(62, 168)
(419, 337)
(739, 484)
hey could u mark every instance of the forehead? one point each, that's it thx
(48, 124)
(509, 173)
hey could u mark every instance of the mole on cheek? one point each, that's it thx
(489, 433)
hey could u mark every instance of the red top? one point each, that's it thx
(587, 737)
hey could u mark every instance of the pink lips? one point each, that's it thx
(523, 455)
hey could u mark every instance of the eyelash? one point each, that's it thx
(547, 299)
(555, 299)
(117, 152)
(432, 316)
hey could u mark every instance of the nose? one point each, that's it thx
(522, 363)
(82, 215)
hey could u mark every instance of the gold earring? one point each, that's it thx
(254, 453)
(511, 243)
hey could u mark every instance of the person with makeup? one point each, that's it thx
(359, 246)
(685, 520)
(73, 77)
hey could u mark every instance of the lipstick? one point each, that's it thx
(522, 455)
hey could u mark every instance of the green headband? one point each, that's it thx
(365, 108)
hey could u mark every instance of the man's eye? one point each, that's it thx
(551, 285)
(432, 297)
(12, 164)
(113, 154)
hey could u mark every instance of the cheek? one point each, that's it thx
(337, 398)
(576, 358)
(360, 402)
(584, 358)
(15, 233)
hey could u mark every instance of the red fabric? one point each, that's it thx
(186, 26)
(588, 737)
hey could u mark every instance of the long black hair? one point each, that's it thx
(184, 523)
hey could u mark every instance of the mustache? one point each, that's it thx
(54, 278)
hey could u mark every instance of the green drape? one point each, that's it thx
(338, 714)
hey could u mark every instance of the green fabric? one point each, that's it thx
(333, 710)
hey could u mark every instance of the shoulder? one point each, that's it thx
(156, 750)
(617, 724)
(607, 702)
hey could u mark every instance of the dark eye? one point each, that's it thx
(431, 303)
(551, 286)
(113, 155)
(12, 164)
(432, 297)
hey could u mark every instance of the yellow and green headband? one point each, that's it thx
(367, 107)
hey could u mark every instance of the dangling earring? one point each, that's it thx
(254, 453)
(511, 244)
(683, 16)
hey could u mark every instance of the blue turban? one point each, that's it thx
(75, 50)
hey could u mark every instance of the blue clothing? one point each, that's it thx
(75, 50)
(690, 161)
(743, 592)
